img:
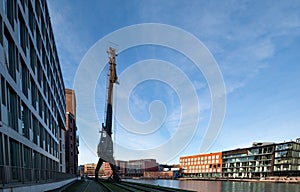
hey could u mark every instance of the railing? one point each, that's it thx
(10, 175)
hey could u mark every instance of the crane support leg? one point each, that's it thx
(100, 161)
(115, 175)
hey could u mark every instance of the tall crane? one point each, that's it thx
(105, 146)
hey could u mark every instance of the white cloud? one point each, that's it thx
(71, 47)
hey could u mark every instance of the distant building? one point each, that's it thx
(287, 158)
(32, 114)
(165, 167)
(122, 167)
(136, 168)
(71, 138)
(107, 169)
(261, 160)
(89, 169)
(256, 161)
(158, 175)
(132, 168)
(81, 170)
(202, 165)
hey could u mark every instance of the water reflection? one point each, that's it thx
(224, 186)
(202, 186)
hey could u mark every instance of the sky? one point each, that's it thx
(163, 93)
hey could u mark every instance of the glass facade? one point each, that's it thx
(249, 162)
(32, 93)
(260, 160)
(287, 159)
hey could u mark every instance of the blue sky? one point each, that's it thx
(255, 44)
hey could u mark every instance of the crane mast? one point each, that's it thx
(105, 146)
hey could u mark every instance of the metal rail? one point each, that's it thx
(138, 187)
(105, 187)
(135, 187)
(151, 188)
(112, 186)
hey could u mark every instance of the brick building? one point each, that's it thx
(203, 165)
(71, 137)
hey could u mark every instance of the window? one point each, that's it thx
(40, 72)
(1, 150)
(3, 90)
(6, 51)
(14, 158)
(27, 162)
(36, 130)
(43, 29)
(25, 78)
(33, 93)
(12, 109)
(22, 33)
(1, 31)
(32, 58)
(41, 105)
(10, 10)
(31, 19)
(48, 141)
(38, 10)
(10, 55)
(38, 40)
(42, 136)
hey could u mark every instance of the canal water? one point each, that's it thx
(223, 186)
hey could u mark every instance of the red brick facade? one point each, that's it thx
(202, 164)
(70, 136)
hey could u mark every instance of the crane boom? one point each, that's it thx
(105, 146)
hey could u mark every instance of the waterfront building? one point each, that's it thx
(71, 138)
(202, 165)
(158, 175)
(122, 167)
(262, 159)
(287, 158)
(132, 168)
(256, 161)
(32, 115)
(136, 168)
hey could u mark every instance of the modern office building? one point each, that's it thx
(72, 141)
(202, 165)
(252, 162)
(263, 159)
(132, 168)
(287, 158)
(136, 168)
(32, 115)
